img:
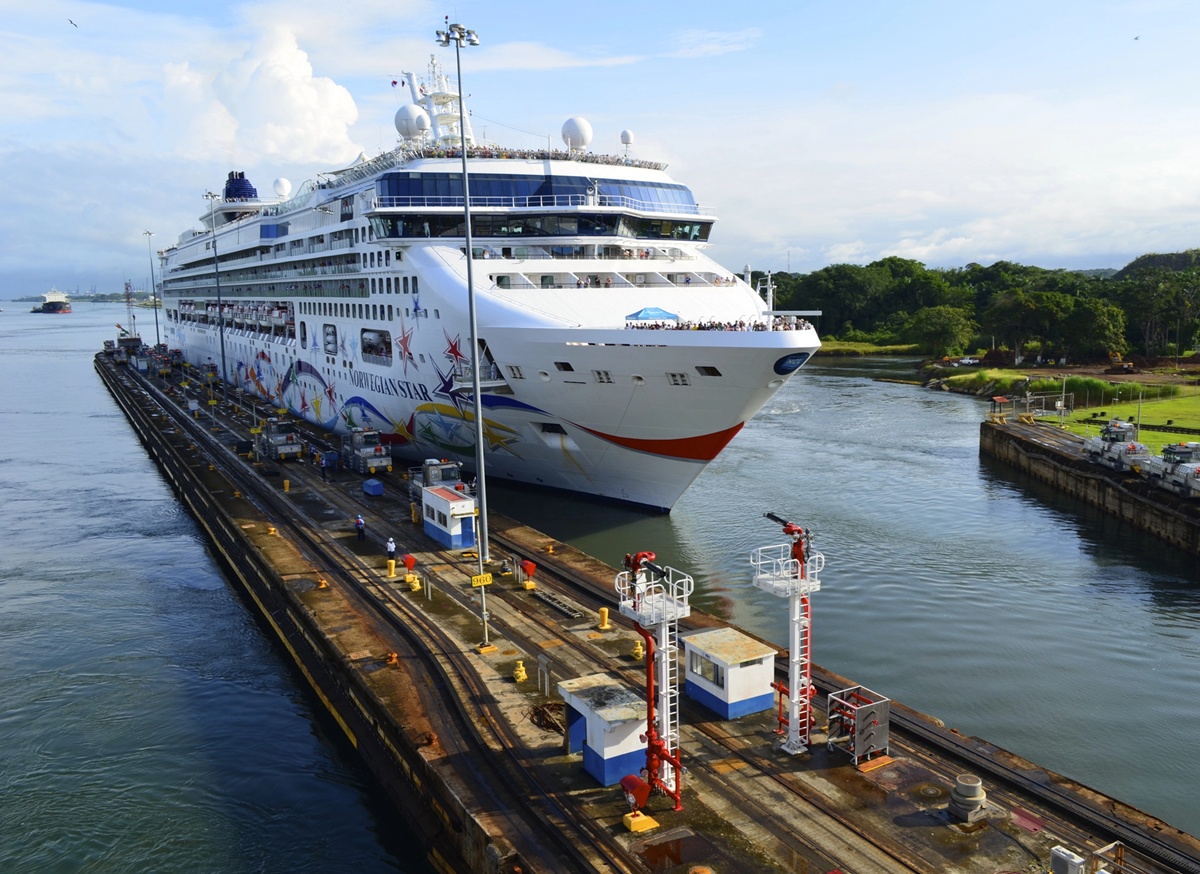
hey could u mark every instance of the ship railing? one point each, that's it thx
(490, 377)
(373, 358)
(525, 253)
(551, 201)
(499, 153)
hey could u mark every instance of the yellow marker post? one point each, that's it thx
(391, 568)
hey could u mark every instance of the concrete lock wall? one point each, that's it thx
(1124, 496)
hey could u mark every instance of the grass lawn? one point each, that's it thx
(1154, 403)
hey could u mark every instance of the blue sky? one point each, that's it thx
(1062, 134)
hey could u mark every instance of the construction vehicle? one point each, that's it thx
(1176, 470)
(1117, 447)
(278, 441)
(363, 451)
(1117, 364)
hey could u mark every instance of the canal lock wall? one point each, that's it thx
(1060, 463)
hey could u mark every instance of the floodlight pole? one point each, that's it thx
(212, 199)
(457, 34)
(153, 288)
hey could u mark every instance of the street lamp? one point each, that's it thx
(457, 34)
(212, 200)
(153, 288)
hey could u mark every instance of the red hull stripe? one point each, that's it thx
(704, 447)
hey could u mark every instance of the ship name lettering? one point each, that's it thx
(413, 391)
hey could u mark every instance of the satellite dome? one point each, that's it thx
(412, 122)
(577, 133)
(283, 187)
(627, 138)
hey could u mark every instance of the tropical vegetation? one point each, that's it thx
(1150, 308)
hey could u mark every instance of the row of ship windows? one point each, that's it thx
(507, 225)
(376, 348)
(376, 312)
(511, 187)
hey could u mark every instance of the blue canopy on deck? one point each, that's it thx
(651, 314)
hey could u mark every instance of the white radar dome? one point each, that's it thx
(412, 122)
(283, 187)
(577, 133)
(627, 138)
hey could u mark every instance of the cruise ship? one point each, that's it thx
(616, 359)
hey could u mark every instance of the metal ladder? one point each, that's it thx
(668, 690)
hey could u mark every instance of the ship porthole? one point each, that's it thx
(775, 383)
(545, 377)
(638, 380)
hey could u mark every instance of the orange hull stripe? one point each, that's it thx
(704, 447)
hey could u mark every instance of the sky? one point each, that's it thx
(1056, 133)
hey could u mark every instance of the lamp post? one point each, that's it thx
(212, 200)
(153, 288)
(457, 34)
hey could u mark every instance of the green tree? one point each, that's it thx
(1012, 315)
(1094, 328)
(942, 330)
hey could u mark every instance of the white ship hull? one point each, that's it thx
(348, 306)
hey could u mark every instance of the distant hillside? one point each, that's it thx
(1098, 272)
(1174, 261)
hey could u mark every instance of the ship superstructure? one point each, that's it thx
(53, 302)
(616, 358)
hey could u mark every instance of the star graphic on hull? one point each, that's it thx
(452, 351)
(445, 388)
(449, 426)
(497, 438)
(404, 430)
(404, 341)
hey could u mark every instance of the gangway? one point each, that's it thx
(656, 598)
(792, 570)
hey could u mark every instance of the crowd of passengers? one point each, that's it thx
(779, 323)
(538, 155)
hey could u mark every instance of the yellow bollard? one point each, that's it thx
(271, 530)
(287, 485)
(414, 582)
(519, 674)
(604, 626)
(391, 568)
(639, 651)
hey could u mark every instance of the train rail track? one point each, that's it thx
(460, 696)
(528, 627)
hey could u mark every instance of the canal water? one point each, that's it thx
(149, 723)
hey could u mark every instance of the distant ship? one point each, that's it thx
(53, 301)
(616, 358)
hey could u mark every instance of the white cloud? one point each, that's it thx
(709, 43)
(279, 108)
